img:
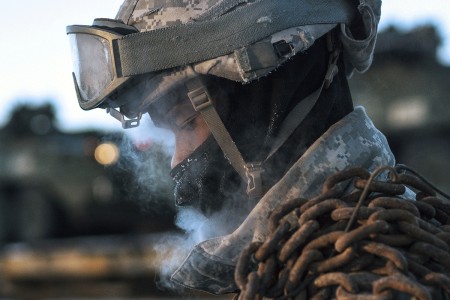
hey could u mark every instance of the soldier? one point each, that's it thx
(256, 95)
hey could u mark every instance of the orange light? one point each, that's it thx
(107, 153)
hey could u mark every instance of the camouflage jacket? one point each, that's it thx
(353, 141)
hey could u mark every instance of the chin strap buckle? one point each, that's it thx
(254, 180)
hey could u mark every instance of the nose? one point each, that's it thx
(181, 152)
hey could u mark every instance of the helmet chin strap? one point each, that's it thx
(202, 102)
(251, 173)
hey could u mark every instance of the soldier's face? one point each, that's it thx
(189, 129)
(204, 179)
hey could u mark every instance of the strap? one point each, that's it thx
(202, 103)
(250, 173)
(303, 108)
(295, 117)
(198, 41)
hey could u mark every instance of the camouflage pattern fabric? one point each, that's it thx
(148, 15)
(353, 141)
(359, 52)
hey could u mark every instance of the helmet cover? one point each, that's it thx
(148, 15)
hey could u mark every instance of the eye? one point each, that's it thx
(189, 124)
(182, 117)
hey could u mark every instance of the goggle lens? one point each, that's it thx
(92, 64)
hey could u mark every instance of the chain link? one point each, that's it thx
(369, 244)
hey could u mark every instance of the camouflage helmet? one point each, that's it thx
(274, 31)
(248, 63)
(240, 40)
(159, 49)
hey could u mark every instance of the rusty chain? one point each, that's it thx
(369, 244)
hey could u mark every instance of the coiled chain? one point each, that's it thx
(369, 244)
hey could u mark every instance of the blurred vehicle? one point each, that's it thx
(407, 94)
(57, 184)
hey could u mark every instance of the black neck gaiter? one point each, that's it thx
(207, 182)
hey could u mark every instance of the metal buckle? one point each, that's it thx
(254, 181)
(200, 99)
(126, 123)
(283, 49)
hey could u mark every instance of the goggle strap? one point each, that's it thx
(198, 41)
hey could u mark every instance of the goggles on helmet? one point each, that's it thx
(243, 44)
